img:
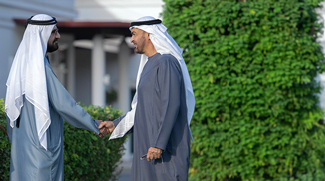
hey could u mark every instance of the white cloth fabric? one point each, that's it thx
(27, 77)
(164, 44)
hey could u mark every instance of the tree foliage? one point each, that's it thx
(253, 66)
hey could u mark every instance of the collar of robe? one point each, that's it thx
(150, 22)
(37, 22)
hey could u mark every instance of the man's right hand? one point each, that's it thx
(105, 128)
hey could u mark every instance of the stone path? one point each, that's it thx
(125, 175)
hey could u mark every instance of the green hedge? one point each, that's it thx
(86, 156)
(89, 157)
(253, 66)
(4, 145)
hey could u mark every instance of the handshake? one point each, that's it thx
(105, 127)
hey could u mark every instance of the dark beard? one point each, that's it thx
(138, 51)
(52, 47)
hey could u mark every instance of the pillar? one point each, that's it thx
(124, 94)
(98, 96)
(71, 63)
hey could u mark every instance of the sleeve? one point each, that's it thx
(169, 82)
(118, 120)
(66, 106)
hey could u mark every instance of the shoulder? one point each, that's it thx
(168, 59)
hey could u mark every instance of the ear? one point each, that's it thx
(148, 35)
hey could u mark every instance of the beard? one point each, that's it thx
(139, 46)
(51, 47)
(138, 50)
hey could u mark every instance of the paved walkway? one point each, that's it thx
(125, 175)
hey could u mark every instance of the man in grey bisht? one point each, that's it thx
(36, 104)
(162, 107)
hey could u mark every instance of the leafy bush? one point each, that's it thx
(4, 145)
(86, 156)
(89, 157)
(252, 66)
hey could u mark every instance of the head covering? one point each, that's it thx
(164, 44)
(27, 75)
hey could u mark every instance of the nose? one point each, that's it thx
(57, 35)
(132, 39)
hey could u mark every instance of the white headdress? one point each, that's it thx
(164, 44)
(27, 75)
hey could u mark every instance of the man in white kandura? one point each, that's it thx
(36, 104)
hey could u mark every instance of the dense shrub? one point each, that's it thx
(253, 66)
(86, 156)
(4, 145)
(89, 157)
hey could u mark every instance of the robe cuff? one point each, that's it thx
(96, 125)
(160, 147)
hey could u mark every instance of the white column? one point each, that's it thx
(124, 89)
(55, 64)
(71, 63)
(98, 72)
(124, 97)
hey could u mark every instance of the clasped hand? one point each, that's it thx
(105, 127)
